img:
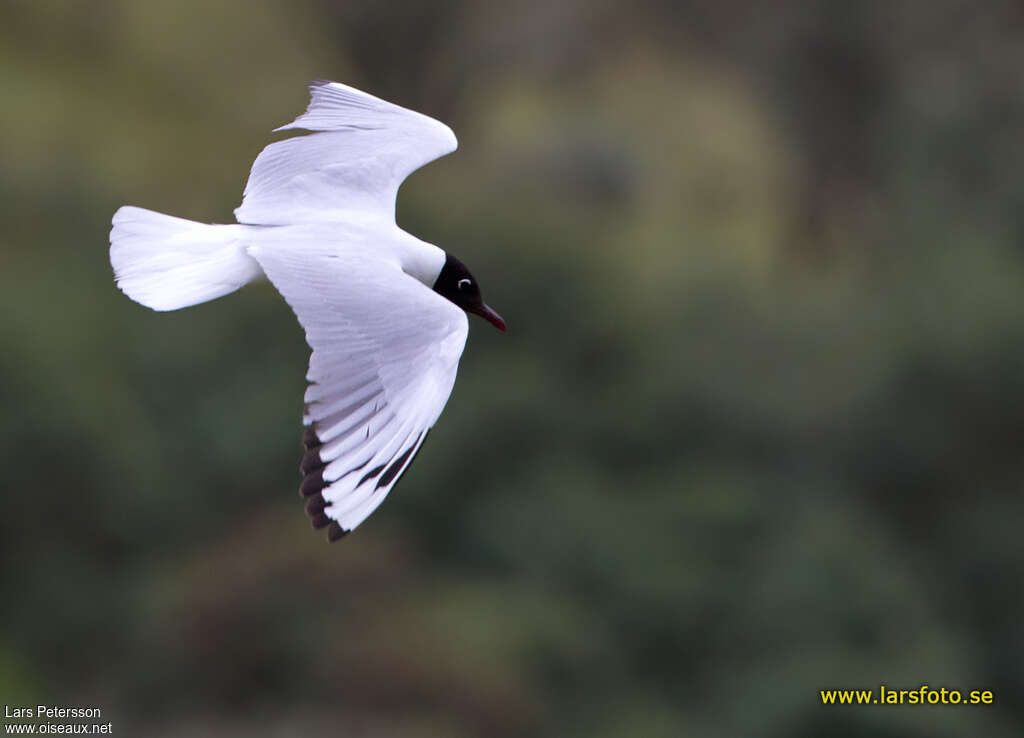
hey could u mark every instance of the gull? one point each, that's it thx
(384, 313)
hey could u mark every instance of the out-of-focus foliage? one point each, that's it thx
(756, 429)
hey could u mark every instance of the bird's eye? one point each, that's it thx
(465, 284)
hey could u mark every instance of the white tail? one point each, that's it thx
(168, 263)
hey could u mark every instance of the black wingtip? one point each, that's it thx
(312, 484)
(310, 439)
(315, 505)
(335, 532)
(311, 462)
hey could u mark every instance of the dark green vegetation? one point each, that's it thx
(756, 429)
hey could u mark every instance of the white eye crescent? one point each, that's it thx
(464, 284)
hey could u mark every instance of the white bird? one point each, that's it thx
(384, 312)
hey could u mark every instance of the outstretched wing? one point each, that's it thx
(385, 353)
(361, 152)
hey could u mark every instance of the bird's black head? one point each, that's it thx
(458, 285)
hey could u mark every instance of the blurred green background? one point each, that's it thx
(755, 431)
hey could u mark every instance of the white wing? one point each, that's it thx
(385, 353)
(364, 149)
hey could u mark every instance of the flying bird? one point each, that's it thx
(384, 312)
